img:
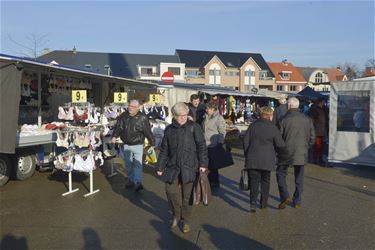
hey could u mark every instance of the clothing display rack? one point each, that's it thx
(72, 152)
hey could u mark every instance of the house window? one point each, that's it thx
(292, 88)
(175, 70)
(285, 75)
(249, 73)
(232, 73)
(214, 72)
(263, 75)
(146, 71)
(318, 78)
(279, 87)
(88, 66)
(191, 73)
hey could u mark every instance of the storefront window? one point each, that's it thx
(353, 111)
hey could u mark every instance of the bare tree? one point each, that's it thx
(370, 63)
(32, 46)
(351, 70)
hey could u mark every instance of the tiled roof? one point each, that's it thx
(334, 74)
(199, 58)
(278, 67)
(122, 65)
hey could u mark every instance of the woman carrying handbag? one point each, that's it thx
(261, 144)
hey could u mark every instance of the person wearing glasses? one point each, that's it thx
(183, 153)
(132, 127)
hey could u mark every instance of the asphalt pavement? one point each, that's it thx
(338, 212)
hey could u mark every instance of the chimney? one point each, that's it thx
(74, 50)
(285, 62)
(45, 51)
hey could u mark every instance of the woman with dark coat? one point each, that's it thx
(262, 142)
(183, 153)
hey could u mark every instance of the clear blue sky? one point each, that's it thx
(307, 33)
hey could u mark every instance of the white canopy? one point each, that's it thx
(352, 122)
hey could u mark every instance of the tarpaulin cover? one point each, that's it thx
(352, 122)
(310, 93)
(9, 106)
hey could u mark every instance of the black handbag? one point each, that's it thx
(219, 157)
(244, 181)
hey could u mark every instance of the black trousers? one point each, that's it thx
(281, 173)
(213, 177)
(180, 199)
(263, 178)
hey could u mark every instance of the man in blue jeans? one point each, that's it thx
(132, 127)
(298, 132)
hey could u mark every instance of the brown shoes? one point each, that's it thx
(186, 228)
(284, 203)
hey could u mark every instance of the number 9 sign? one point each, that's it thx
(120, 97)
(79, 96)
(154, 98)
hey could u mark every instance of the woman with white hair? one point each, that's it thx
(183, 153)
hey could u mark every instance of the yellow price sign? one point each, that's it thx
(79, 96)
(120, 97)
(154, 98)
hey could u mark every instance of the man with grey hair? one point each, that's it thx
(132, 127)
(280, 111)
(298, 133)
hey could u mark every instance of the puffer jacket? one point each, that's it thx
(183, 150)
(133, 129)
(214, 129)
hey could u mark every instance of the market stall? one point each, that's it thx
(31, 94)
(352, 122)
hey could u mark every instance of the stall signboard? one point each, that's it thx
(120, 97)
(79, 96)
(154, 98)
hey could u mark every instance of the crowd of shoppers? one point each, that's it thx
(277, 140)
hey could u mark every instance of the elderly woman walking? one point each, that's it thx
(261, 144)
(183, 153)
(214, 133)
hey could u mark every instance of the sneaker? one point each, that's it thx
(130, 184)
(186, 228)
(138, 187)
(253, 208)
(284, 203)
(174, 223)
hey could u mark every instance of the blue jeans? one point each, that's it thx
(133, 155)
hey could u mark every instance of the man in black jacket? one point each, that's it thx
(280, 111)
(132, 127)
(196, 109)
(298, 133)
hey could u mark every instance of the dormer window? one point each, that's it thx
(146, 71)
(318, 77)
(174, 70)
(285, 75)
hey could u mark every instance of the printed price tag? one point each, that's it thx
(120, 97)
(79, 96)
(154, 98)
